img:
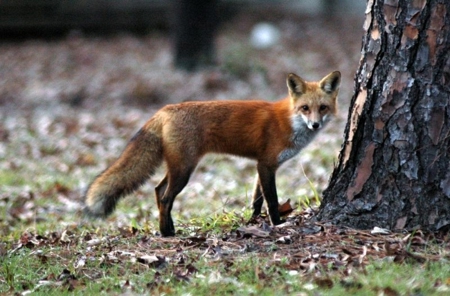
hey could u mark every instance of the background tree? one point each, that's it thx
(195, 25)
(394, 167)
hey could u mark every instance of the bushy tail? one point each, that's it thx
(141, 157)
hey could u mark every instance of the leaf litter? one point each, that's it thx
(299, 246)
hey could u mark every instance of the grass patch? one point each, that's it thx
(11, 178)
(46, 248)
(89, 265)
(217, 223)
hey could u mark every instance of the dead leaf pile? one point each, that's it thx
(304, 249)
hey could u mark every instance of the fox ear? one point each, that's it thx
(331, 82)
(295, 84)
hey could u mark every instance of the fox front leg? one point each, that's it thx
(266, 177)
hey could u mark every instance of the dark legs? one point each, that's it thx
(177, 178)
(266, 187)
(258, 199)
(166, 191)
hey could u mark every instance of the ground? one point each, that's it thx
(68, 106)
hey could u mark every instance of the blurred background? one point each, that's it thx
(79, 77)
(51, 16)
(65, 49)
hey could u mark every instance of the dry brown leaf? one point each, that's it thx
(324, 283)
(285, 208)
(253, 230)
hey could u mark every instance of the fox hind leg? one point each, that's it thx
(160, 189)
(257, 200)
(172, 184)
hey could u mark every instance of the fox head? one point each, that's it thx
(314, 102)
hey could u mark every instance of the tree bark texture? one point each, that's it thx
(394, 167)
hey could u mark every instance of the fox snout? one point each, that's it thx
(314, 125)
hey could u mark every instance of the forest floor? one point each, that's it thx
(67, 109)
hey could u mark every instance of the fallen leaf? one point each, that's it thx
(253, 230)
(324, 283)
(388, 291)
(147, 259)
(284, 240)
(152, 260)
(285, 208)
(81, 262)
(87, 159)
(378, 230)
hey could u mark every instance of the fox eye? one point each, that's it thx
(323, 107)
(305, 107)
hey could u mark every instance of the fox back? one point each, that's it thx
(180, 134)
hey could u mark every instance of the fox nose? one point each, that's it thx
(315, 125)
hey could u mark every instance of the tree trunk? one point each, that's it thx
(195, 26)
(394, 167)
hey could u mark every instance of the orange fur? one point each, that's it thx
(181, 134)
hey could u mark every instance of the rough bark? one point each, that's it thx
(394, 167)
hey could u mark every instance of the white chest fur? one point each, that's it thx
(300, 138)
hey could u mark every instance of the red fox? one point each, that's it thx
(180, 134)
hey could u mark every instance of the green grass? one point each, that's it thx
(55, 252)
(52, 271)
(218, 222)
(11, 178)
(47, 248)
(62, 254)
